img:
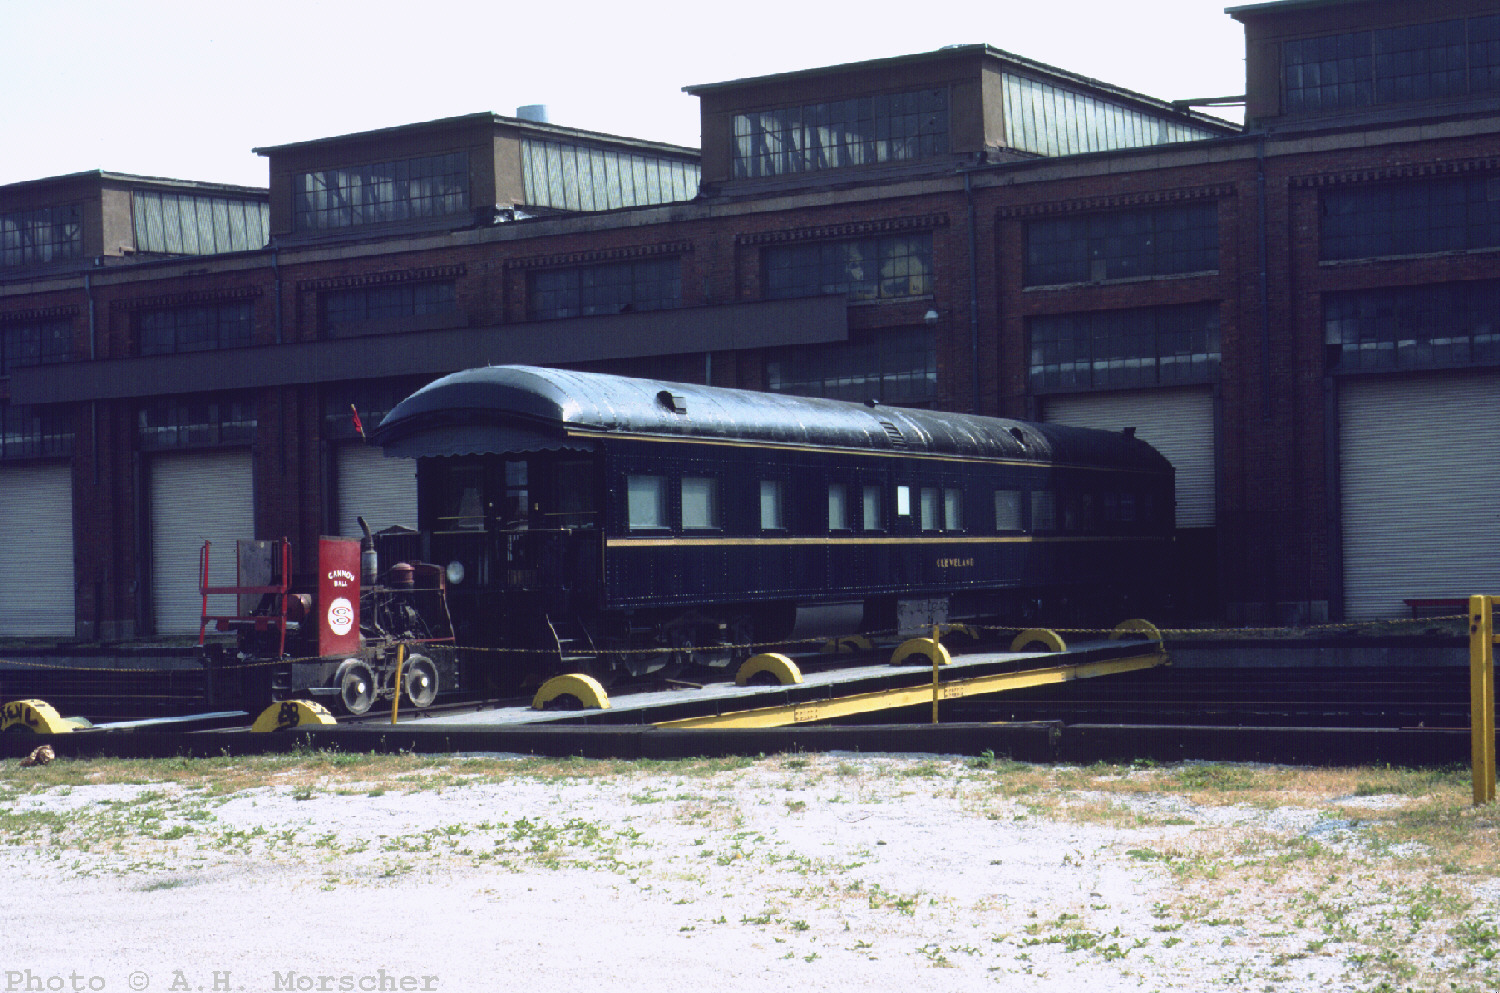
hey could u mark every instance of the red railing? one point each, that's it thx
(261, 622)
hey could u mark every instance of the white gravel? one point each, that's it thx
(831, 872)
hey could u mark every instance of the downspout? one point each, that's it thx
(276, 278)
(1269, 589)
(88, 292)
(1264, 278)
(973, 290)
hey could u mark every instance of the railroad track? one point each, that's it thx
(1369, 697)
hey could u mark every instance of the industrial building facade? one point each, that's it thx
(1299, 313)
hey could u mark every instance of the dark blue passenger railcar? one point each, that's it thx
(588, 514)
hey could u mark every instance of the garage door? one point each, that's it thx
(196, 497)
(383, 491)
(36, 568)
(1420, 514)
(1178, 423)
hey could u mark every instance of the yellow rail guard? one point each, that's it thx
(292, 714)
(579, 686)
(34, 715)
(1482, 695)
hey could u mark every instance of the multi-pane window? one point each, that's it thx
(1409, 327)
(195, 422)
(700, 502)
(884, 268)
(1327, 73)
(608, 288)
(1053, 120)
(1484, 54)
(28, 431)
(890, 127)
(196, 328)
(1157, 241)
(1391, 65)
(183, 224)
(870, 506)
(898, 366)
(772, 505)
(40, 343)
(646, 501)
(405, 189)
(1410, 218)
(1007, 510)
(838, 507)
(351, 310)
(581, 177)
(29, 237)
(1148, 346)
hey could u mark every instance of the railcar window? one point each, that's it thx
(903, 501)
(873, 521)
(930, 519)
(838, 507)
(772, 513)
(1070, 512)
(1043, 510)
(463, 500)
(646, 500)
(1007, 510)
(517, 495)
(1127, 507)
(953, 509)
(700, 502)
(574, 500)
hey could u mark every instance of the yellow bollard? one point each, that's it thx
(1482, 696)
(396, 697)
(935, 657)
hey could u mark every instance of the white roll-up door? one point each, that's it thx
(1418, 487)
(1179, 423)
(383, 491)
(36, 568)
(196, 497)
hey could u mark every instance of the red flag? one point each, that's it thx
(357, 425)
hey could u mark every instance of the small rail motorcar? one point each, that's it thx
(613, 523)
(337, 636)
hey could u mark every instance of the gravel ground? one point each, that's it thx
(826, 872)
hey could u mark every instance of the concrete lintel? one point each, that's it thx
(768, 324)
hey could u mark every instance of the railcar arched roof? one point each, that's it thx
(499, 409)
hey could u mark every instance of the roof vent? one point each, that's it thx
(534, 112)
(1130, 431)
(672, 401)
(894, 433)
(1020, 437)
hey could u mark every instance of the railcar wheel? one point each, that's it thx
(420, 681)
(357, 688)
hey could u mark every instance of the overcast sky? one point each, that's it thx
(186, 89)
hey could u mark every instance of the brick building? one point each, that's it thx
(1297, 312)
